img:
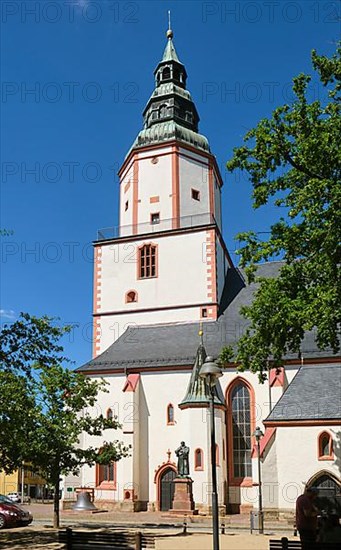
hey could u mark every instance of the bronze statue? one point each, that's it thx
(182, 453)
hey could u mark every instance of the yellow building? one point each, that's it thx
(34, 484)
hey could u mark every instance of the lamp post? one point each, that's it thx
(258, 435)
(210, 372)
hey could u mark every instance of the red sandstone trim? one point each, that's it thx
(135, 192)
(175, 188)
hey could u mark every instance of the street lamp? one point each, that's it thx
(210, 372)
(258, 435)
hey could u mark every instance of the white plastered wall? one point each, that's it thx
(297, 460)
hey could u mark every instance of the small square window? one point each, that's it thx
(126, 205)
(204, 312)
(195, 194)
(155, 218)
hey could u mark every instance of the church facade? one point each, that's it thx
(161, 278)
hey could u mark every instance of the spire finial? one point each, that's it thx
(169, 32)
(201, 333)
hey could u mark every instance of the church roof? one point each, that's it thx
(313, 394)
(175, 344)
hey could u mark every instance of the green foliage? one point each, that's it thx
(31, 340)
(46, 408)
(294, 159)
(226, 355)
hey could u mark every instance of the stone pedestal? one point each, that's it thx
(183, 502)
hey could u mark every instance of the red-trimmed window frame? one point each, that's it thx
(320, 454)
(128, 296)
(239, 481)
(147, 250)
(170, 407)
(198, 467)
(103, 483)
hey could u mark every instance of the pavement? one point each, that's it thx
(41, 536)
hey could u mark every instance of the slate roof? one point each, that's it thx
(313, 394)
(175, 344)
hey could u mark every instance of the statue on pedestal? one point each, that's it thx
(182, 453)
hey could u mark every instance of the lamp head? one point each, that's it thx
(210, 371)
(258, 433)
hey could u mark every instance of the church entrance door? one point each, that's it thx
(329, 492)
(167, 489)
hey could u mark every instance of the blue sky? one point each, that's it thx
(75, 78)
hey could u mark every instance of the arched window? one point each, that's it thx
(110, 414)
(240, 430)
(170, 414)
(166, 73)
(147, 266)
(325, 446)
(131, 296)
(198, 459)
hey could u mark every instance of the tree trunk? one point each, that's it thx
(56, 504)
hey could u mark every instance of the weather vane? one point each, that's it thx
(169, 32)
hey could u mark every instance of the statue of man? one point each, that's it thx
(182, 453)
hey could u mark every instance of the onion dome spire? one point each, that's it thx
(170, 112)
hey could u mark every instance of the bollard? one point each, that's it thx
(222, 528)
(184, 526)
(138, 540)
(68, 538)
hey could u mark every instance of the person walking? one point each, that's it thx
(306, 517)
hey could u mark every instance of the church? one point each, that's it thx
(164, 276)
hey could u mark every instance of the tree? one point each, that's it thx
(45, 408)
(294, 159)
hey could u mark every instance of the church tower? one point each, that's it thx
(166, 262)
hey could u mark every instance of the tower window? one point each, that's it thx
(204, 312)
(131, 297)
(198, 459)
(126, 205)
(195, 194)
(155, 217)
(170, 414)
(147, 261)
(166, 73)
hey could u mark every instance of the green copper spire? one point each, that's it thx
(170, 113)
(197, 392)
(170, 54)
